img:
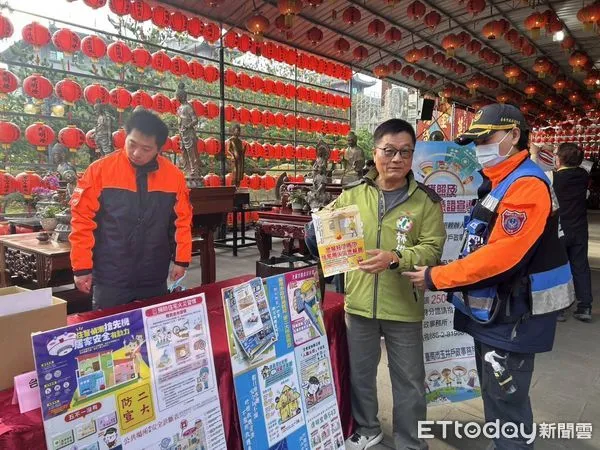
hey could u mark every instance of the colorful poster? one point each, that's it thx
(340, 239)
(286, 396)
(450, 370)
(138, 380)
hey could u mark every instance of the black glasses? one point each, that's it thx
(390, 152)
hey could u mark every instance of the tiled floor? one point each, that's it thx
(566, 384)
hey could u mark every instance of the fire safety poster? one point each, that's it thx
(142, 379)
(285, 395)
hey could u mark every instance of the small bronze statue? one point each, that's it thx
(187, 122)
(354, 160)
(318, 196)
(235, 149)
(103, 130)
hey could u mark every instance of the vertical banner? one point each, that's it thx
(284, 391)
(450, 371)
(142, 379)
(437, 129)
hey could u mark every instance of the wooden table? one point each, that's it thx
(284, 223)
(28, 262)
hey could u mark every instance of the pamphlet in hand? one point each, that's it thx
(340, 239)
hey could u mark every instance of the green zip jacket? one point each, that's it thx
(389, 295)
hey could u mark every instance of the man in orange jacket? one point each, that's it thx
(513, 275)
(131, 216)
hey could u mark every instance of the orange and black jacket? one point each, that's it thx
(129, 222)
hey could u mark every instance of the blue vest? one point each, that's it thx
(547, 277)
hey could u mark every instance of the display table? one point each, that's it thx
(284, 223)
(25, 261)
(25, 431)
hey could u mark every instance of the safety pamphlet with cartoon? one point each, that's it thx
(286, 395)
(135, 380)
(340, 239)
(450, 370)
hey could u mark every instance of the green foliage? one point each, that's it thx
(365, 141)
(49, 212)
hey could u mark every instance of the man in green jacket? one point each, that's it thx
(403, 227)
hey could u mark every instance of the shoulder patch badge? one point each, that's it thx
(513, 221)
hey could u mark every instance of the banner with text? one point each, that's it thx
(450, 370)
(281, 366)
(137, 380)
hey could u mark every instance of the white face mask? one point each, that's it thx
(488, 155)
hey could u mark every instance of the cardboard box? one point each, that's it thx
(15, 335)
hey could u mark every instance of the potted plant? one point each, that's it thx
(47, 215)
(296, 198)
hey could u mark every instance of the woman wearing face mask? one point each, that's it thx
(513, 275)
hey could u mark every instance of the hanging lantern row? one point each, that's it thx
(25, 183)
(161, 17)
(255, 83)
(270, 50)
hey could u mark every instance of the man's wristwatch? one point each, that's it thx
(395, 264)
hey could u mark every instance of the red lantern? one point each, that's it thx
(161, 17)
(255, 182)
(211, 74)
(475, 6)
(66, 41)
(161, 61)
(195, 27)
(140, 11)
(179, 66)
(314, 35)
(512, 73)
(341, 46)
(8, 184)
(230, 113)
(37, 86)
(95, 4)
(161, 103)
(451, 43)
(578, 60)
(212, 146)
(212, 110)
(119, 53)
(120, 7)
(351, 15)
(175, 104)
(534, 23)
(432, 19)
(376, 27)
(9, 133)
(176, 144)
(381, 71)
(68, 91)
(416, 10)
(231, 39)
(195, 70)
(179, 22)
(589, 15)
(27, 181)
(36, 34)
(199, 108)
(244, 81)
(230, 78)
(257, 25)
(560, 84)
(6, 27)
(71, 137)
(568, 43)
(89, 139)
(542, 66)
(120, 98)
(493, 30)
(413, 56)
(96, 93)
(93, 47)
(8, 82)
(141, 98)
(40, 135)
(141, 58)
(211, 33)
(119, 137)
(393, 35)
(474, 47)
(360, 53)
